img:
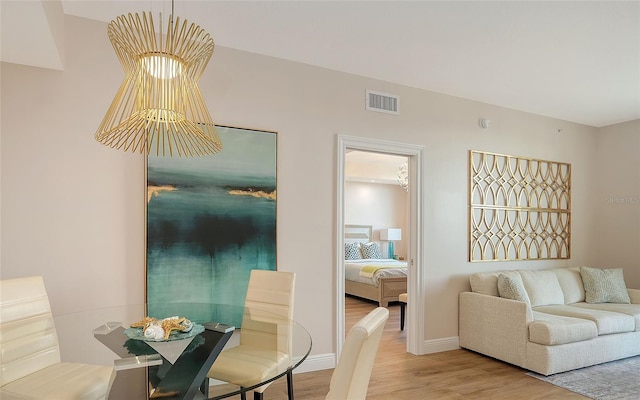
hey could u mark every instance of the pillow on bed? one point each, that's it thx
(352, 251)
(371, 250)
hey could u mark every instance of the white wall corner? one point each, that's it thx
(33, 33)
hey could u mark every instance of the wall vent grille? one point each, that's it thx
(383, 102)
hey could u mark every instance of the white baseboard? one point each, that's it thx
(317, 362)
(440, 345)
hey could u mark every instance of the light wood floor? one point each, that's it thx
(457, 374)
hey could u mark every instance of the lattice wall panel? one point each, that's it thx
(519, 208)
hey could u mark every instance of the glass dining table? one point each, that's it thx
(148, 365)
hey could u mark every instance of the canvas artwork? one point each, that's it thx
(211, 220)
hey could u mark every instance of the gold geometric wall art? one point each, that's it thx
(519, 208)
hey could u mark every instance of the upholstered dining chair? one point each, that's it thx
(350, 379)
(30, 364)
(261, 353)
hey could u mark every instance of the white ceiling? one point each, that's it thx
(577, 61)
(364, 166)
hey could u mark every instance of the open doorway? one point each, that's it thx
(376, 216)
(414, 327)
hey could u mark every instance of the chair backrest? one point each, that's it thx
(27, 333)
(270, 292)
(350, 379)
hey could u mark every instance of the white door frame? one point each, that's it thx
(415, 312)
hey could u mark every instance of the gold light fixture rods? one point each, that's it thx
(159, 106)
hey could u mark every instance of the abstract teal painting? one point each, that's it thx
(211, 220)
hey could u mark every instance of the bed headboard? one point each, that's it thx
(358, 233)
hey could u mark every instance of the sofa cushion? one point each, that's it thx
(604, 285)
(485, 283)
(542, 287)
(607, 321)
(570, 281)
(630, 309)
(634, 295)
(549, 329)
(510, 286)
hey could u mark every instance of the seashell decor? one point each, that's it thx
(156, 329)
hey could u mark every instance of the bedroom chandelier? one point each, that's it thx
(159, 107)
(403, 176)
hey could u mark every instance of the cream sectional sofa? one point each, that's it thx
(553, 320)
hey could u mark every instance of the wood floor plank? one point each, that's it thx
(451, 375)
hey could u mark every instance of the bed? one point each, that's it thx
(368, 275)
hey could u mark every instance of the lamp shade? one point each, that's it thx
(391, 234)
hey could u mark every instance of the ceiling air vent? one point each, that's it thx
(383, 102)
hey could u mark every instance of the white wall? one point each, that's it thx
(73, 210)
(381, 206)
(617, 200)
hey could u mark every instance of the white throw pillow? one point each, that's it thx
(542, 287)
(604, 285)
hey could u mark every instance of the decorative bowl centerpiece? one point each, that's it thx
(160, 330)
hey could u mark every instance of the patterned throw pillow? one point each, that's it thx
(352, 251)
(511, 287)
(371, 250)
(604, 285)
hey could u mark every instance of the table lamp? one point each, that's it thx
(390, 235)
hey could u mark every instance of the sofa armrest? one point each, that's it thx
(494, 326)
(634, 295)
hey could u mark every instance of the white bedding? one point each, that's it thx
(352, 270)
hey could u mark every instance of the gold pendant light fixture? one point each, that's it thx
(403, 176)
(159, 108)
